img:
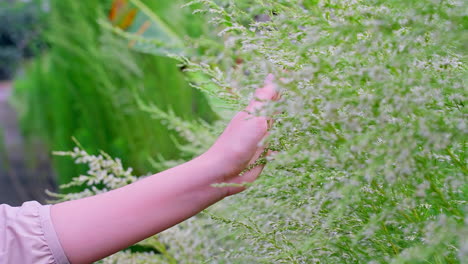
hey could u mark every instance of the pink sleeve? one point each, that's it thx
(28, 236)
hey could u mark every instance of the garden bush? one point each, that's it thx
(370, 133)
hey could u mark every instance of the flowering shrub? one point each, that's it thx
(371, 133)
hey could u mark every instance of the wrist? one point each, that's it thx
(214, 171)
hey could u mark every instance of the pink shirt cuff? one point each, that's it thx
(27, 235)
(51, 236)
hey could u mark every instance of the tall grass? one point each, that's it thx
(371, 135)
(87, 85)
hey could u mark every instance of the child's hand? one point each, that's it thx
(238, 146)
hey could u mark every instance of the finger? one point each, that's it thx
(248, 177)
(269, 90)
(251, 175)
(264, 95)
(258, 153)
(270, 123)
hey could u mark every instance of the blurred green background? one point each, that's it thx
(76, 78)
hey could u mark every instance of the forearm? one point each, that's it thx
(95, 227)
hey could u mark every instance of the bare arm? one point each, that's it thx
(92, 228)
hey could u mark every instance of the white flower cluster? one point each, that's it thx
(104, 174)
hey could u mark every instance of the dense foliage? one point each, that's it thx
(371, 134)
(87, 84)
(21, 23)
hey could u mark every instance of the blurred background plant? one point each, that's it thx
(21, 25)
(87, 84)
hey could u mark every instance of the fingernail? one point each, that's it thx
(270, 78)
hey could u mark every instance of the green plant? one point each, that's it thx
(87, 85)
(21, 23)
(371, 133)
